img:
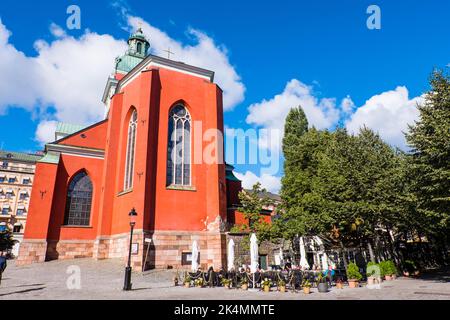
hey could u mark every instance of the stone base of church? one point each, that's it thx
(165, 251)
(69, 249)
(32, 250)
(167, 248)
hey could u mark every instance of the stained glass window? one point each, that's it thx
(78, 202)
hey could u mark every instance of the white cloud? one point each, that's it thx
(66, 78)
(270, 114)
(347, 105)
(389, 114)
(205, 53)
(64, 81)
(269, 182)
(46, 131)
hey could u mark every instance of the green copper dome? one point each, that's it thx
(138, 47)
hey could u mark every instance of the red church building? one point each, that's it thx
(140, 156)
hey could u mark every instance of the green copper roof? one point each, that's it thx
(127, 62)
(229, 173)
(138, 34)
(19, 156)
(68, 128)
(51, 157)
(138, 47)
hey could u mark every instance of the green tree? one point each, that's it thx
(6, 240)
(252, 203)
(429, 139)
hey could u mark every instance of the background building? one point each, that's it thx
(16, 180)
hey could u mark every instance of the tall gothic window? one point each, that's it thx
(179, 147)
(131, 147)
(78, 201)
(139, 47)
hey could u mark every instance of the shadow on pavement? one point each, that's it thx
(21, 291)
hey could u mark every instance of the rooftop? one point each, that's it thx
(19, 156)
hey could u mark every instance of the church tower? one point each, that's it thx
(138, 47)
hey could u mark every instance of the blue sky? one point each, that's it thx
(323, 49)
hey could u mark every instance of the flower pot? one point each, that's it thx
(244, 287)
(322, 287)
(187, 285)
(227, 286)
(416, 273)
(282, 288)
(266, 288)
(406, 273)
(339, 285)
(388, 277)
(370, 281)
(353, 283)
(306, 290)
(394, 276)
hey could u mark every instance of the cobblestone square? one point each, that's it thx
(104, 280)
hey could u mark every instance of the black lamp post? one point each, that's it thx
(127, 282)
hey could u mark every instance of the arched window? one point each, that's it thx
(179, 147)
(131, 147)
(78, 201)
(139, 47)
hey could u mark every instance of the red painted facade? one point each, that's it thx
(199, 209)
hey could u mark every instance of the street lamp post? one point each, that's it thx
(127, 281)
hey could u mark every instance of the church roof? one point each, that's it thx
(19, 156)
(229, 175)
(68, 128)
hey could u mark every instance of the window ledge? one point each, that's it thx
(181, 188)
(121, 193)
(73, 226)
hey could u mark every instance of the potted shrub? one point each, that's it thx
(187, 281)
(226, 283)
(372, 276)
(322, 284)
(353, 275)
(391, 269)
(281, 285)
(244, 283)
(387, 268)
(339, 284)
(198, 282)
(265, 284)
(306, 285)
(409, 268)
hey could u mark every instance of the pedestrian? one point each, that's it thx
(2, 266)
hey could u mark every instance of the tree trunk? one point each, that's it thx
(343, 254)
(372, 255)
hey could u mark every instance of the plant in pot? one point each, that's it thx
(391, 269)
(409, 268)
(226, 283)
(199, 282)
(353, 275)
(244, 283)
(373, 273)
(265, 284)
(322, 284)
(281, 285)
(339, 284)
(387, 268)
(187, 281)
(306, 285)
